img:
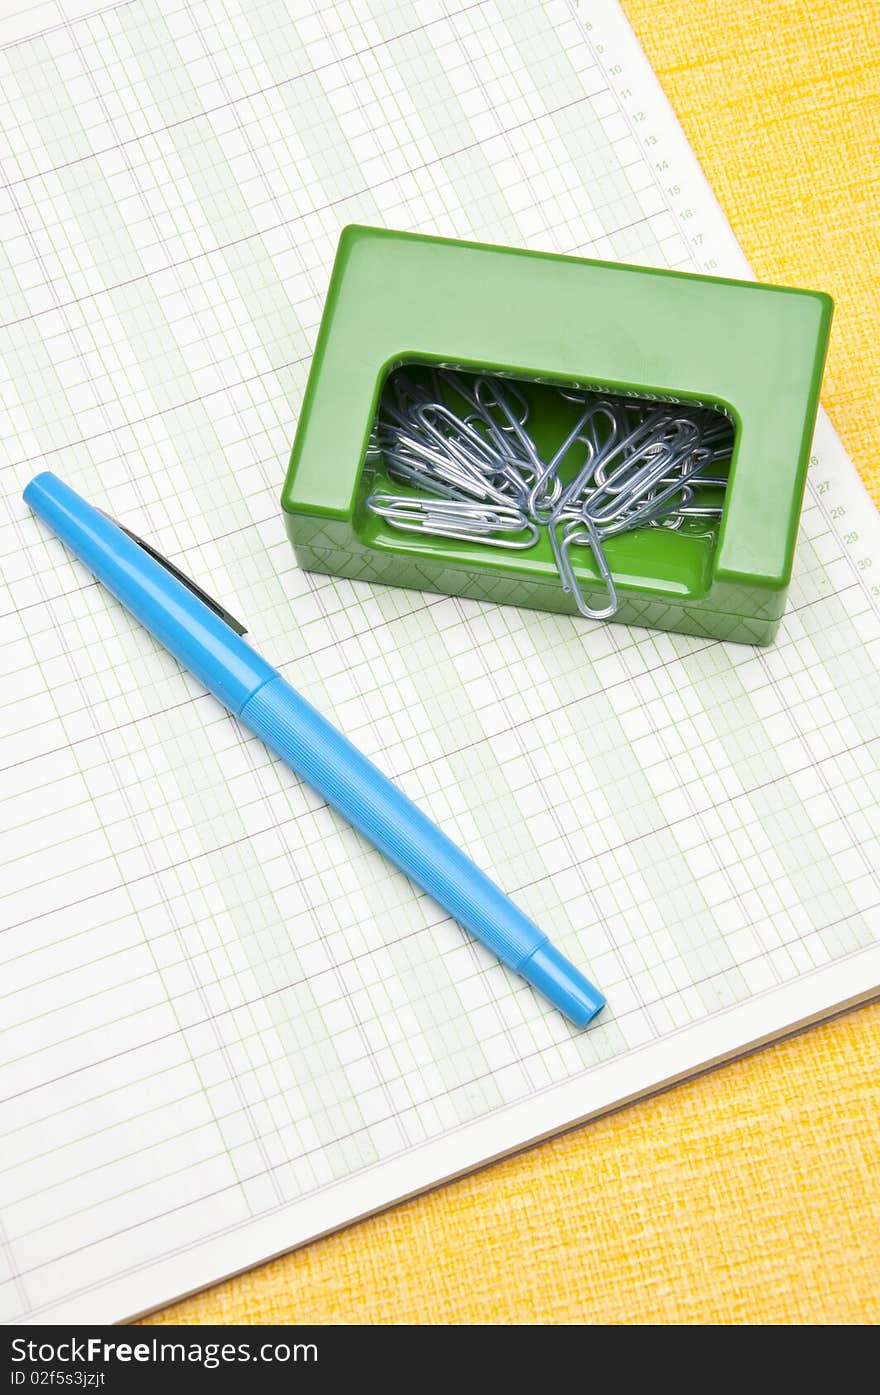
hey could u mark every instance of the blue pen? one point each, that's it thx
(206, 640)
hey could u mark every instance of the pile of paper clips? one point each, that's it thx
(624, 464)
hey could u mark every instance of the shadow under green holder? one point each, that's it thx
(754, 352)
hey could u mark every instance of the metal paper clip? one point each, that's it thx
(492, 524)
(623, 464)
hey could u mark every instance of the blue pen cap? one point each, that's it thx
(173, 614)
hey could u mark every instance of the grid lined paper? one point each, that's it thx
(226, 1024)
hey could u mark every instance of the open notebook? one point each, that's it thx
(228, 1025)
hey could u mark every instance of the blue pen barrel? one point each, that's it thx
(257, 694)
(351, 784)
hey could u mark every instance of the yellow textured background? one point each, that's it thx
(752, 1194)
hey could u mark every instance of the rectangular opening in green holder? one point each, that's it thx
(555, 327)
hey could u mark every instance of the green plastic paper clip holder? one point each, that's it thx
(752, 351)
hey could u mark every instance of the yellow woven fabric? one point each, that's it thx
(753, 1193)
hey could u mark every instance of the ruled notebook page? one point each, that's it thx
(227, 1024)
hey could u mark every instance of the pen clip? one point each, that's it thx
(182, 577)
